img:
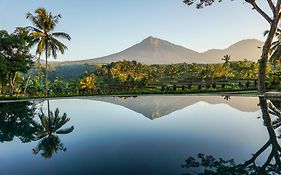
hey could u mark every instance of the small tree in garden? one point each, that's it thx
(88, 83)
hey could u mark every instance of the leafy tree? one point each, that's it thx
(43, 31)
(59, 86)
(14, 56)
(194, 70)
(88, 83)
(35, 85)
(245, 69)
(272, 17)
(17, 120)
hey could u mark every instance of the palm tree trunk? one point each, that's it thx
(46, 71)
(48, 103)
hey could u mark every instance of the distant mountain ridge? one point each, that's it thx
(157, 51)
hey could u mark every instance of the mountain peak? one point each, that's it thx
(151, 40)
(153, 50)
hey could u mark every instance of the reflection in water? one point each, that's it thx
(226, 97)
(272, 165)
(154, 107)
(17, 120)
(49, 145)
(51, 125)
(116, 140)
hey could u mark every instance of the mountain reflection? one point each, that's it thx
(28, 122)
(154, 107)
(209, 165)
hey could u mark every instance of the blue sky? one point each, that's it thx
(103, 27)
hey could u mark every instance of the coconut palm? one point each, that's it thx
(49, 145)
(52, 123)
(226, 58)
(42, 30)
(50, 126)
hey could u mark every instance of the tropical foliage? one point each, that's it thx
(14, 58)
(42, 31)
(18, 120)
(27, 122)
(88, 83)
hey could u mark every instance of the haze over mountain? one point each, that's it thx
(154, 107)
(157, 51)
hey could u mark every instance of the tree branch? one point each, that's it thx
(259, 10)
(272, 7)
(277, 10)
(255, 156)
(267, 161)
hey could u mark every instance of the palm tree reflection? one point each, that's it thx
(226, 97)
(207, 164)
(51, 125)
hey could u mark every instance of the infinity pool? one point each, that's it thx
(146, 135)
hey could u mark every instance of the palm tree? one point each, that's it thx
(42, 30)
(49, 145)
(226, 58)
(52, 123)
(50, 126)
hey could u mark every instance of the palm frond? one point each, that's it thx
(53, 49)
(44, 121)
(34, 20)
(62, 35)
(62, 121)
(65, 131)
(41, 134)
(59, 45)
(41, 46)
(55, 21)
(37, 34)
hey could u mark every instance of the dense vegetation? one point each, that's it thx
(131, 77)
